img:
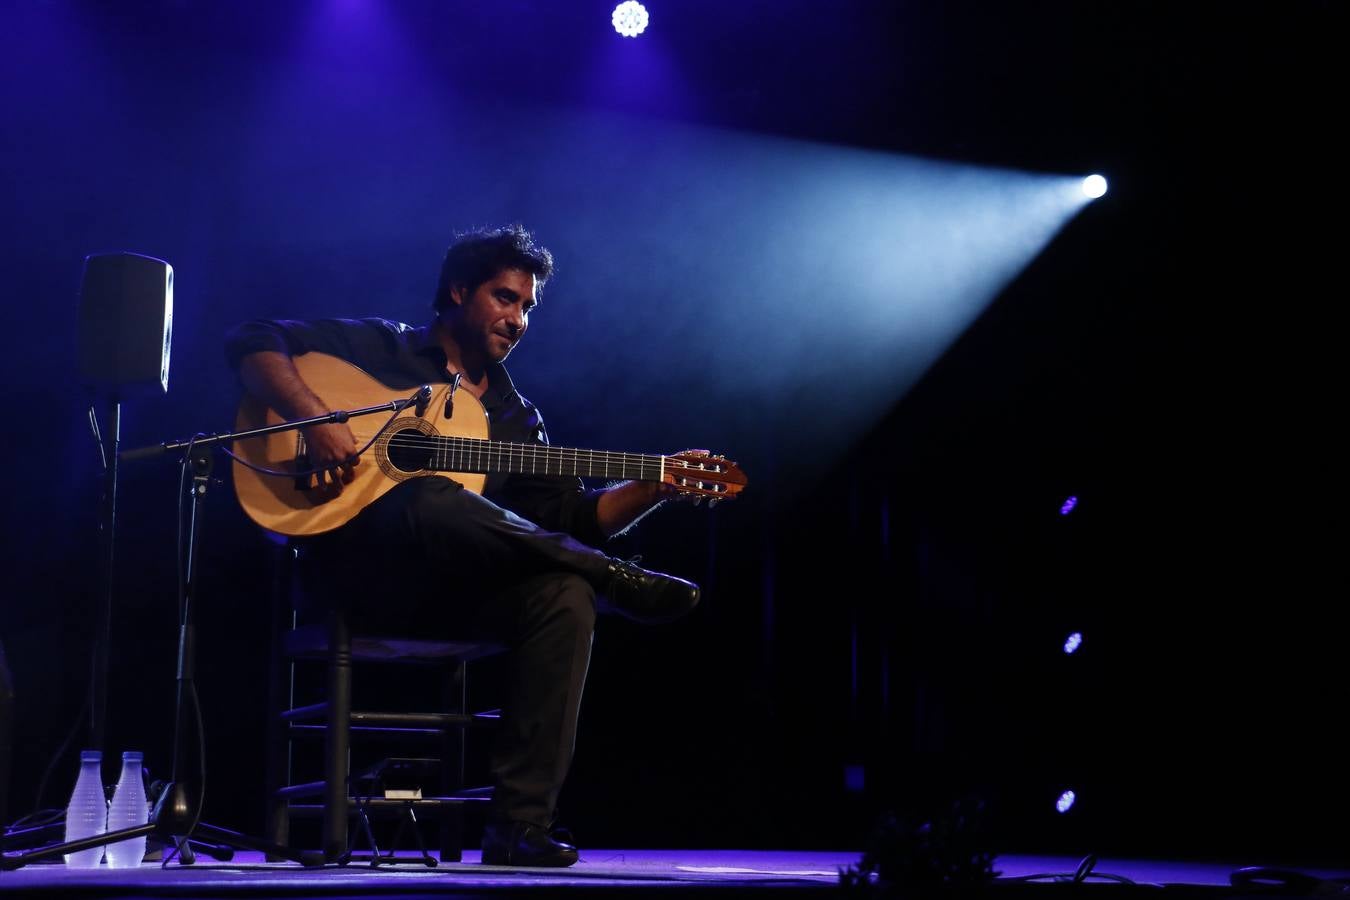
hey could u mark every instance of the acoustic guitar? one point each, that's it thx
(445, 434)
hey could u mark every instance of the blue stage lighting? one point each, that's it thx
(1073, 642)
(630, 18)
(1067, 506)
(1094, 186)
(1065, 801)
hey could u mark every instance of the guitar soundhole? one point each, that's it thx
(410, 451)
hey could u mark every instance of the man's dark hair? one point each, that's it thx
(478, 256)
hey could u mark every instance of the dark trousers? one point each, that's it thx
(488, 573)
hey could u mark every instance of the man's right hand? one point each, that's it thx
(270, 375)
(331, 448)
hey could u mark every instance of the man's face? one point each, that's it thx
(494, 317)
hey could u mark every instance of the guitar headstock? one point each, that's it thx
(715, 477)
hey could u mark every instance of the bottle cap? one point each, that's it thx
(91, 756)
(133, 756)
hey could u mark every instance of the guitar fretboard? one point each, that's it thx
(456, 454)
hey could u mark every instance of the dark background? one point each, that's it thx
(1168, 359)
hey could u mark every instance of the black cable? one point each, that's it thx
(84, 708)
(1284, 882)
(1081, 873)
(307, 473)
(184, 610)
(60, 752)
(201, 762)
(182, 489)
(1068, 878)
(98, 437)
(36, 819)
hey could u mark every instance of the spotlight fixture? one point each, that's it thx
(1073, 642)
(630, 18)
(1067, 506)
(1094, 186)
(1065, 802)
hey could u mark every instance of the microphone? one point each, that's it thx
(450, 396)
(422, 399)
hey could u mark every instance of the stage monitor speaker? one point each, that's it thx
(126, 320)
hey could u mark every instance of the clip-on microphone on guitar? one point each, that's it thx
(450, 397)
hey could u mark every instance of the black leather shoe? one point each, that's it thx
(647, 597)
(524, 844)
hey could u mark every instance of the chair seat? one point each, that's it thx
(311, 642)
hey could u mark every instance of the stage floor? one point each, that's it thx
(614, 872)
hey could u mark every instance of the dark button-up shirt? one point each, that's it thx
(404, 357)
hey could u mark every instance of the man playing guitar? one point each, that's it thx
(519, 541)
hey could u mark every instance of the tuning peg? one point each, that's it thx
(698, 499)
(713, 502)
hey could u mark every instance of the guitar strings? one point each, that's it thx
(499, 448)
(481, 446)
(456, 453)
(445, 448)
(468, 454)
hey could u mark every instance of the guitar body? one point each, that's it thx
(281, 505)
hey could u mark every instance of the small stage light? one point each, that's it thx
(630, 18)
(1073, 642)
(1068, 505)
(1065, 802)
(1093, 185)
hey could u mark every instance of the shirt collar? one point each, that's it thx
(422, 341)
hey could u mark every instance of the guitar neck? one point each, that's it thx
(455, 454)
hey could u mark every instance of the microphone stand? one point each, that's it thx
(176, 817)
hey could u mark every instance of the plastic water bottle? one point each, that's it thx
(87, 812)
(128, 810)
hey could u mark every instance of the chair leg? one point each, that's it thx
(452, 767)
(337, 737)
